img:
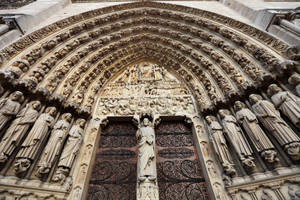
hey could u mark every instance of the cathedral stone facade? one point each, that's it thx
(146, 100)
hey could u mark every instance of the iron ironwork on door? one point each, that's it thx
(114, 172)
(178, 167)
(179, 172)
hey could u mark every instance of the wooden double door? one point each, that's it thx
(178, 167)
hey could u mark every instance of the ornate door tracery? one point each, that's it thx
(114, 172)
(179, 173)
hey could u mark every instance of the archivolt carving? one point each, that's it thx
(74, 61)
(12, 50)
(44, 59)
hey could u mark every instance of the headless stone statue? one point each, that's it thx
(70, 151)
(270, 118)
(287, 103)
(35, 138)
(259, 139)
(237, 139)
(146, 164)
(52, 149)
(9, 107)
(220, 146)
(18, 128)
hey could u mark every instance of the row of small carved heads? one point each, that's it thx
(98, 65)
(37, 35)
(50, 44)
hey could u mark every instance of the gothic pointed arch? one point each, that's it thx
(183, 62)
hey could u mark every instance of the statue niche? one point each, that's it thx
(70, 151)
(52, 149)
(18, 128)
(34, 140)
(237, 139)
(220, 146)
(286, 102)
(259, 139)
(9, 107)
(271, 119)
(146, 164)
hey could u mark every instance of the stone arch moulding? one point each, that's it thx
(70, 62)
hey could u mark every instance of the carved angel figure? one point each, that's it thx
(259, 139)
(9, 107)
(51, 151)
(35, 138)
(220, 146)
(70, 151)
(18, 128)
(286, 102)
(270, 118)
(237, 139)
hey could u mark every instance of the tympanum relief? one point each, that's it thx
(145, 87)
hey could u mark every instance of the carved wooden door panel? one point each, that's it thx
(178, 167)
(114, 173)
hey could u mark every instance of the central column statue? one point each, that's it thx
(147, 188)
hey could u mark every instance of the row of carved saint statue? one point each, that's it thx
(264, 113)
(26, 131)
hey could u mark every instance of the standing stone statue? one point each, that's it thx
(146, 165)
(286, 102)
(221, 148)
(259, 139)
(295, 80)
(237, 139)
(51, 151)
(70, 151)
(270, 118)
(9, 107)
(18, 129)
(31, 145)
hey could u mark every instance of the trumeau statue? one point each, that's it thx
(31, 145)
(237, 139)
(259, 139)
(9, 107)
(70, 151)
(18, 128)
(286, 102)
(270, 118)
(52, 149)
(146, 164)
(220, 146)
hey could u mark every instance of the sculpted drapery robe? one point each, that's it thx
(17, 130)
(54, 144)
(72, 147)
(289, 104)
(219, 143)
(254, 131)
(270, 118)
(36, 136)
(146, 154)
(8, 108)
(237, 138)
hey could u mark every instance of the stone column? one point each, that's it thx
(147, 187)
